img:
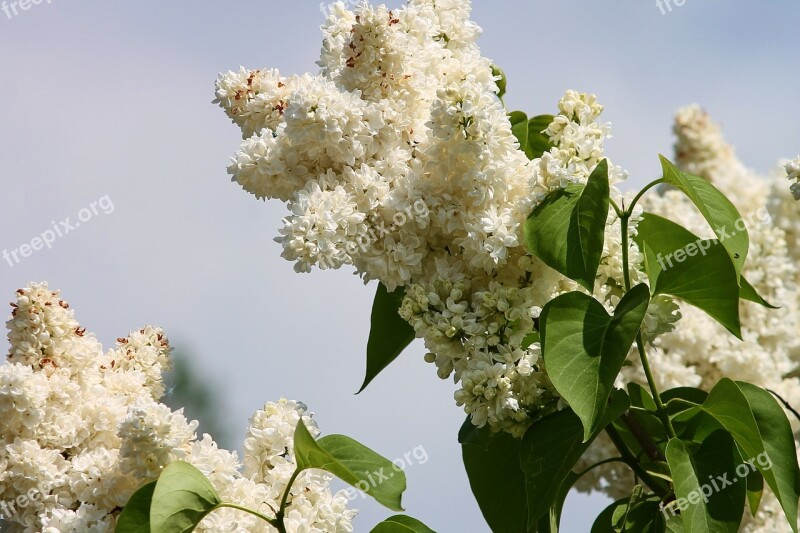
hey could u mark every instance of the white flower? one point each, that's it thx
(84, 430)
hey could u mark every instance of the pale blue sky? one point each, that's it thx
(114, 98)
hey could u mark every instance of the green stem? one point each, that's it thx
(616, 208)
(601, 463)
(631, 461)
(626, 275)
(272, 521)
(638, 197)
(282, 511)
(626, 278)
(662, 412)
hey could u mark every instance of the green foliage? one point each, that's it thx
(567, 230)
(584, 348)
(389, 334)
(353, 463)
(549, 452)
(755, 491)
(679, 263)
(401, 524)
(538, 142)
(497, 72)
(182, 497)
(529, 133)
(497, 482)
(702, 457)
(719, 212)
(707, 504)
(519, 127)
(760, 427)
(700, 272)
(135, 517)
(637, 514)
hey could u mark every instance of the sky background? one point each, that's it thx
(114, 98)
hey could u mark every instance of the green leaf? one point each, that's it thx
(719, 212)
(665, 237)
(607, 521)
(779, 456)
(642, 418)
(135, 516)
(683, 406)
(584, 348)
(698, 271)
(689, 394)
(519, 127)
(530, 339)
(551, 522)
(640, 397)
(567, 230)
(755, 491)
(538, 142)
(389, 334)
(498, 483)
(182, 497)
(630, 516)
(353, 463)
(502, 82)
(709, 497)
(401, 524)
(550, 450)
(760, 427)
(749, 293)
(470, 434)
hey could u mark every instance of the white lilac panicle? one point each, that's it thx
(398, 159)
(83, 429)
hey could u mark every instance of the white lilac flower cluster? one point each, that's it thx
(700, 351)
(398, 158)
(83, 429)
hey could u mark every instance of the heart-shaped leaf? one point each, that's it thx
(760, 427)
(470, 434)
(550, 450)
(389, 334)
(182, 497)
(584, 348)
(567, 230)
(709, 497)
(497, 482)
(135, 516)
(538, 142)
(519, 127)
(698, 271)
(401, 524)
(755, 491)
(719, 212)
(632, 515)
(353, 463)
